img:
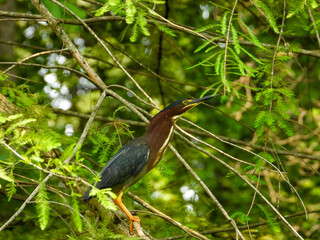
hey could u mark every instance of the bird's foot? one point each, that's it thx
(133, 219)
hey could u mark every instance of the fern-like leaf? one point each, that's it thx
(241, 65)
(102, 197)
(251, 55)
(202, 46)
(43, 206)
(130, 12)
(11, 189)
(218, 63)
(4, 176)
(263, 118)
(21, 123)
(223, 79)
(105, 8)
(269, 15)
(253, 37)
(134, 33)
(142, 23)
(235, 39)
(224, 23)
(241, 216)
(164, 29)
(274, 225)
(76, 214)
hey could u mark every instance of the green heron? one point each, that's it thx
(139, 156)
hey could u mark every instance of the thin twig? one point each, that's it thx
(174, 26)
(314, 25)
(246, 181)
(80, 141)
(33, 56)
(207, 190)
(190, 231)
(224, 139)
(94, 77)
(106, 48)
(213, 232)
(46, 66)
(246, 150)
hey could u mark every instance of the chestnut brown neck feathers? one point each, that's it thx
(158, 135)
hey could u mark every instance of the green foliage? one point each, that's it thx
(224, 24)
(271, 120)
(76, 218)
(251, 56)
(296, 7)
(268, 93)
(103, 142)
(38, 141)
(164, 29)
(135, 14)
(101, 231)
(260, 163)
(204, 45)
(4, 176)
(103, 199)
(283, 102)
(253, 37)
(165, 170)
(11, 189)
(235, 64)
(112, 5)
(269, 15)
(274, 225)
(106, 141)
(134, 32)
(43, 206)
(130, 11)
(242, 217)
(235, 40)
(18, 94)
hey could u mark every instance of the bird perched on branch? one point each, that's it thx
(139, 156)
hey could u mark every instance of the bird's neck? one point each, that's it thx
(158, 135)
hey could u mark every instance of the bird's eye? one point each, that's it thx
(185, 102)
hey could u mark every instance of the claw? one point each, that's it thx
(133, 219)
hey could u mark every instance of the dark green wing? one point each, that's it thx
(126, 163)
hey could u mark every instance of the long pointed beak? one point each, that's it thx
(199, 100)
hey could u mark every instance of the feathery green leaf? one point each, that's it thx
(43, 206)
(235, 39)
(269, 15)
(76, 214)
(224, 24)
(4, 176)
(274, 225)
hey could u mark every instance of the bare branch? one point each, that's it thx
(314, 25)
(174, 26)
(191, 232)
(253, 225)
(80, 141)
(246, 181)
(207, 190)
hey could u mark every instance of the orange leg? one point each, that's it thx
(132, 219)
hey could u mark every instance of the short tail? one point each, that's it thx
(86, 197)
